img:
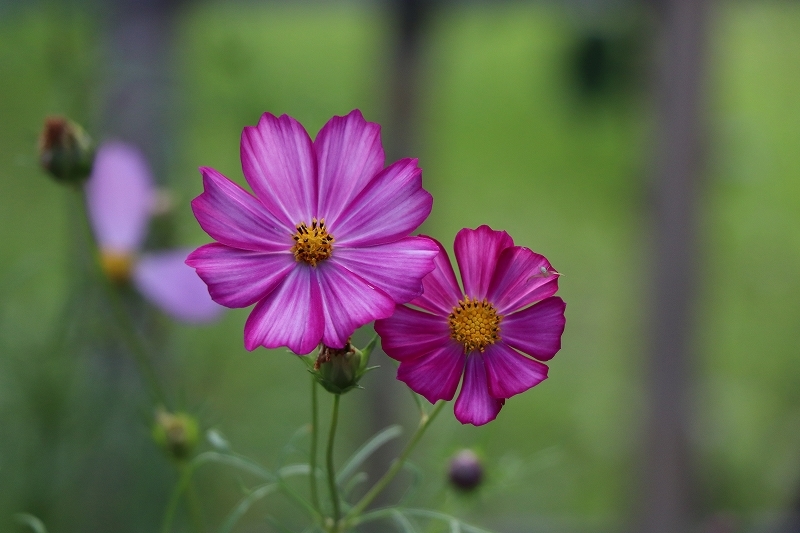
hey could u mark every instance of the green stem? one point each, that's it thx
(397, 465)
(193, 504)
(135, 344)
(337, 513)
(123, 321)
(312, 461)
(183, 483)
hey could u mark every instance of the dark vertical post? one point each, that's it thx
(668, 484)
(408, 19)
(138, 97)
(136, 108)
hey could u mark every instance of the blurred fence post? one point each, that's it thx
(136, 107)
(138, 100)
(669, 491)
(408, 18)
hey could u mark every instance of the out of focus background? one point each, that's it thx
(651, 150)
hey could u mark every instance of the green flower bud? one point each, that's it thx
(339, 370)
(176, 433)
(65, 150)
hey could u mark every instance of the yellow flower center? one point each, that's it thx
(116, 265)
(475, 324)
(313, 244)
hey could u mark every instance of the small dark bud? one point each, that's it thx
(466, 472)
(65, 150)
(339, 370)
(176, 433)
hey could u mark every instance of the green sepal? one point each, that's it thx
(340, 370)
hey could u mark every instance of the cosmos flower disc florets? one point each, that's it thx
(506, 309)
(276, 249)
(474, 324)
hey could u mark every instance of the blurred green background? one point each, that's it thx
(510, 132)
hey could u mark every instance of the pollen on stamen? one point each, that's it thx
(312, 244)
(475, 324)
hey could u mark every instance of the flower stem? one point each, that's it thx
(193, 505)
(362, 504)
(337, 513)
(125, 326)
(312, 460)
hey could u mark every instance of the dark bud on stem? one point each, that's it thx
(65, 151)
(176, 433)
(466, 472)
(339, 370)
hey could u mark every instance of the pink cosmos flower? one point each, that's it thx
(507, 307)
(323, 247)
(120, 198)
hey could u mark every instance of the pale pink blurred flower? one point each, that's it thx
(120, 197)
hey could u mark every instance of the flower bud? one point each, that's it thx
(466, 472)
(176, 433)
(339, 369)
(65, 150)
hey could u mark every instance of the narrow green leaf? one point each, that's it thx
(416, 481)
(239, 461)
(435, 515)
(355, 481)
(291, 445)
(405, 524)
(31, 521)
(368, 448)
(245, 504)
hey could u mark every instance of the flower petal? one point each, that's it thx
(396, 268)
(440, 289)
(477, 251)
(278, 162)
(232, 216)
(120, 196)
(434, 375)
(521, 278)
(165, 280)
(349, 155)
(410, 333)
(239, 278)
(390, 207)
(536, 330)
(510, 372)
(474, 404)
(291, 315)
(349, 302)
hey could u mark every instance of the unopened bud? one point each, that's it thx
(65, 150)
(339, 370)
(466, 472)
(176, 433)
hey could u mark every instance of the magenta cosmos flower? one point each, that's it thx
(323, 247)
(120, 198)
(507, 307)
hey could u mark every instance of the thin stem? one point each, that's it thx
(183, 483)
(140, 351)
(193, 504)
(312, 461)
(424, 422)
(337, 513)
